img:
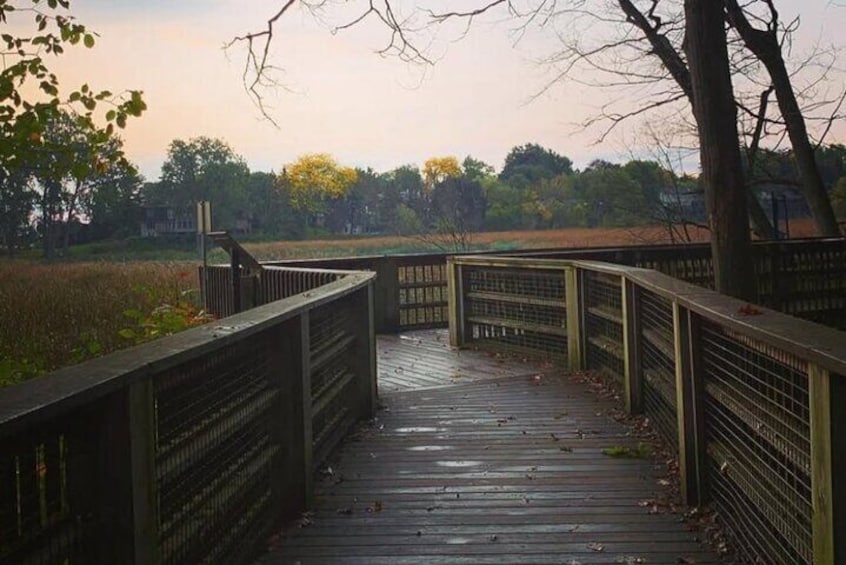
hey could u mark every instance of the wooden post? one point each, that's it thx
(455, 293)
(126, 478)
(387, 313)
(837, 386)
(632, 369)
(686, 341)
(822, 487)
(365, 347)
(574, 299)
(290, 473)
(305, 399)
(235, 266)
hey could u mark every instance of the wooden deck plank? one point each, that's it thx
(498, 466)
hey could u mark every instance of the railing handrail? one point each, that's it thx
(819, 344)
(39, 399)
(528, 252)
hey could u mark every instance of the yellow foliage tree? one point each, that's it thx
(438, 169)
(316, 178)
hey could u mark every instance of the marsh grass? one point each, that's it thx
(57, 315)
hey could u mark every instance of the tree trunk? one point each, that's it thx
(722, 170)
(675, 65)
(765, 46)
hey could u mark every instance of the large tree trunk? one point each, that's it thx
(765, 46)
(678, 69)
(722, 170)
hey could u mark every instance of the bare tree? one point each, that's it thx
(633, 44)
(766, 46)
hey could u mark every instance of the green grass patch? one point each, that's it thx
(642, 451)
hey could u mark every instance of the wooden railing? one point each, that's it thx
(190, 449)
(751, 399)
(805, 278)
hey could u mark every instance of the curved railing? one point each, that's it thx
(805, 278)
(751, 399)
(193, 448)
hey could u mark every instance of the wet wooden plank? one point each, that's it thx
(503, 465)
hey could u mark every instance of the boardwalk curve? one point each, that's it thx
(503, 464)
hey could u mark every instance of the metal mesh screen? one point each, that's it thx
(692, 265)
(45, 515)
(810, 282)
(332, 374)
(658, 361)
(517, 310)
(603, 323)
(213, 456)
(423, 295)
(757, 437)
(277, 283)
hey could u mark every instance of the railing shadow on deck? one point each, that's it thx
(752, 399)
(193, 448)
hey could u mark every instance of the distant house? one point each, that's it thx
(164, 220)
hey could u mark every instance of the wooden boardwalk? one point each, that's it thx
(501, 464)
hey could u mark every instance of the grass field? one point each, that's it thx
(56, 315)
(59, 314)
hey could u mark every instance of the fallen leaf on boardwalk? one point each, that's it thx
(686, 560)
(536, 380)
(565, 448)
(664, 482)
(749, 310)
(630, 560)
(593, 546)
(565, 413)
(502, 421)
(493, 538)
(645, 503)
(305, 520)
(375, 507)
(553, 436)
(346, 511)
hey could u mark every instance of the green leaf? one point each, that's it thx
(89, 40)
(127, 333)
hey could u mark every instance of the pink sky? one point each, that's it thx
(343, 99)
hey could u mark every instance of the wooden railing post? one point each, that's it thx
(632, 368)
(455, 293)
(127, 477)
(306, 401)
(291, 475)
(822, 483)
(575, 318)
(235, 266)
(365, 358)
(387, 313)
(689, 390)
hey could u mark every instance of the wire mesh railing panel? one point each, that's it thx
(217, 290)
(658, 363)
(758, 443)
(213, 454)
(277, 284)
(603, 323)
(423, 295)
(46, 514)
(333, 374)
(693, 265)
(811, 283)
(521, 311)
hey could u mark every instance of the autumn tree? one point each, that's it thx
(438, 169)
(315, 180)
